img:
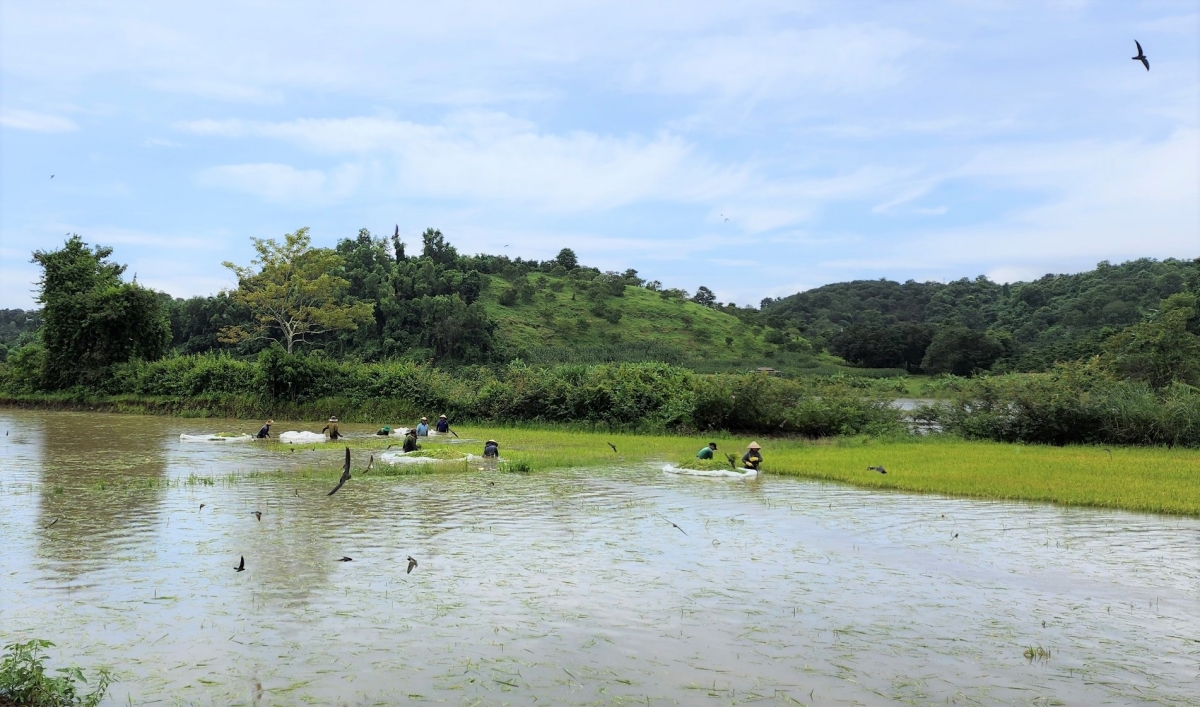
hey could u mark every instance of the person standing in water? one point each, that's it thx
(423, 427)
(332, 428)
(707, 452)
(753, 456)
(264, 432)
(491, 450)
(410, 442)
(442, 425)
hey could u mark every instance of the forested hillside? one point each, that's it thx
(1023, 326)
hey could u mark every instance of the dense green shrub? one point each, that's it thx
(1073, 404)
(23, 679)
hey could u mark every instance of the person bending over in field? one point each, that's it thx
(410, 441)
(491, 450)
(264, 432)
(753, 457)
(707, 452)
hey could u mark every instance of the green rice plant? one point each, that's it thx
(1033, 653)
(24, 681)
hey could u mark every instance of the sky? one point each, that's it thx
(757, 148)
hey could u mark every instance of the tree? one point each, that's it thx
(704, 296)
(566, 258)
(435, 247)
(292, 293)
(961, 351)
(1162, 350)
(92, 319)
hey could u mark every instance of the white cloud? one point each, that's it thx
(284, 183)
(36, 122)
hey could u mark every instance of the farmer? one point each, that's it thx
(753, 457)
(442, 425)
(264, 432)
(384, 431)
(332, 428)
(423, 427)
(707, 452)
(491, 450)
(410, 442)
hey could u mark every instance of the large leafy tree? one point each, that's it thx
(1164, 348)
(92, 319)
(293, 292)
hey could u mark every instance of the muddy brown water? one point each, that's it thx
(568, 587)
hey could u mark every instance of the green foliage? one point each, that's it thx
(961, 351)
(566, 258)
(1055, 318)
(292, 293)
(1073, 404)
(93, 320)
(24, 681)
(1163, 350)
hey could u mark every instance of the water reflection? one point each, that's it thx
(573, 588)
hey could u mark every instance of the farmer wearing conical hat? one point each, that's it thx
(753, 456)
(265, 431)
(332, 427)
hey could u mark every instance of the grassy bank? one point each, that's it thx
(1154, 479)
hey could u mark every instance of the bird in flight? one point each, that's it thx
(202, 505)
(732, 460)
(241, 565)
(880, 469)
(52, 176)
(346, 559)
(258, 516)
(370, 463)
(411, 564)
(1141, 56)
(614, 447)
(345, 473)
(51, 524)
(675, 526)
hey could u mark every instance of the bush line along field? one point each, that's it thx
(1136, 479)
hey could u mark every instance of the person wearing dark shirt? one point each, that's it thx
(410, 441)
(265, 431)
(384, 431)
(491, 450)
(707, 452)
(442, 425)
(753, 456)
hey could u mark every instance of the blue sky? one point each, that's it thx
(841, 140)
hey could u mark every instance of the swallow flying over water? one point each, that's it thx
(1141, 56)
(345, 473)
(880, 469)
(346, 559)
(202, 505)
(258, 516)
(676, 526)
(370, 463)
(52, 523)
(614, 447)
(411, 564)
(241, 565)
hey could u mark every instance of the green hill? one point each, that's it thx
(557, 319)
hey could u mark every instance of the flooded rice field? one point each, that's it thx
(568, 587)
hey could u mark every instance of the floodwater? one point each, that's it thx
(568, 587)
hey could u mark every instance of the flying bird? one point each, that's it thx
(880, 469)
(241, 565)
(1141, 56)
(51, 524)
(370, 463)
(955, 537)
(202, 505)
(258, 516)
(732, 460)
(345, 473)
(675, 526)
(389, 447)
(346, 559)
(411, 564)
(614, 447)
(52, 176)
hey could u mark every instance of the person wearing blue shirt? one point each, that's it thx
(442, 425)
(423, 427)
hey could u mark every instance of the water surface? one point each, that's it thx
(568, 587)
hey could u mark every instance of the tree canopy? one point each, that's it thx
(92, 319)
